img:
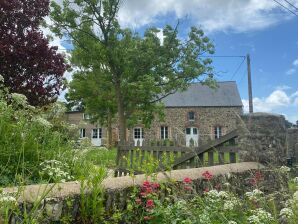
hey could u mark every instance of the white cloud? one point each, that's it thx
(212, 15)
(295, 62)
(283, 87)
(277, 102)
(291, 71)
(160, 36)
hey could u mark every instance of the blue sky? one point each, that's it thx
(261, 28)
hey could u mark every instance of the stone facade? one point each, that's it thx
(205, 120)
(176, 120)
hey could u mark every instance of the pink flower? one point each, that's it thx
(206, 190)
(155, 185)
(150, 203)
(207, 175)
(188, 188)
(143, 194)
(187, 180)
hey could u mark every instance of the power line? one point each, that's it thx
(291, 4)
(285, 7)
(222, 56)
(237, 69)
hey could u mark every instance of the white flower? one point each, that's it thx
(223, 194)
(43, 122)
(284, 169)
(295, 196)
(19, 99)
(231, 204)
(295, 180)
(1, 79)
(286, 212)
(232, 222)
(255, 195)
(259, 217)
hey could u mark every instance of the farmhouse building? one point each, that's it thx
(192, 117)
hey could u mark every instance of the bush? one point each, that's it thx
(26, 140)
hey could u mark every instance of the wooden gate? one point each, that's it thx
(219, 151)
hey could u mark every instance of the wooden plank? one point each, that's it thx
(201, 159)
(232, 157)
(207, 147)
(221, 157)
(210, 158)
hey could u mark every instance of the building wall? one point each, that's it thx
(176, 119)
(206, 118)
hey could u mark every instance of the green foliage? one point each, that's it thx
(121, 71)
(26, 140)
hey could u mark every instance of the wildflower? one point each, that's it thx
(1, 79)
(155, 185)
(43, 122)
(19, 99)
(232, 222)
(255, 195)
(284, 169)
(188, 188)
(207, 175)
(146, 184)
(231, 204)
(150, 203)
(295, 180)
(286, 212)
(187, 180)
(260, 216)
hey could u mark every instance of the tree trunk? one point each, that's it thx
(110, 133)
(121, 116)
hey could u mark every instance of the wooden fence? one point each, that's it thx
(219, 151)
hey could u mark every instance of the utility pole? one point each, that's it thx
(249, 85)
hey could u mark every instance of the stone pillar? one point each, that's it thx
(263, 138)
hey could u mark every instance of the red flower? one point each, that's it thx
(155, 185)
(188, 188)
(187, 180)
(148, 190)
(258, 175)
(147, 217)
(143, 194)
(207, 175)
(150, 203)
(138, 201)
(146, 184)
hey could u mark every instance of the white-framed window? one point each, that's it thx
(138, 133)
(191, 116)
(82, 132)
(164, 133)
(96, 133)
(86, 116)
(217, 132)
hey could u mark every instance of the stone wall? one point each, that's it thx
(292, 142)
(64, 199)
(206, 118)
(263, 138)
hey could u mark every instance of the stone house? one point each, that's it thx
(192, 117)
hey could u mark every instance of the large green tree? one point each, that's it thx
(135, 71)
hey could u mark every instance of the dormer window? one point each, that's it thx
(86, 116)
(217, 132)
(191, 116)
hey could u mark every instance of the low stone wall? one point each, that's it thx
(263, 138)
(292, 142)
(240, 176)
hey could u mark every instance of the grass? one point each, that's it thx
(101, 157)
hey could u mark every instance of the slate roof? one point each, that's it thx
(198, 95)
